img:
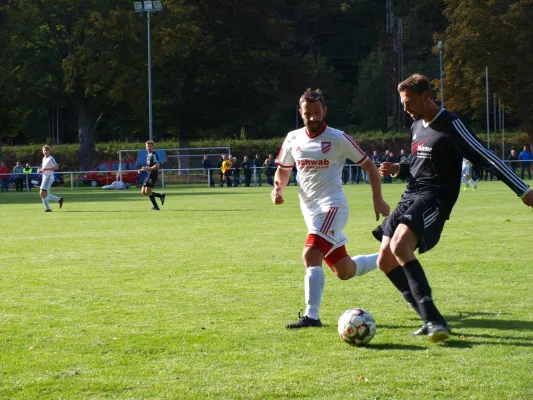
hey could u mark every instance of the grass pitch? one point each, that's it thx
(105, 299)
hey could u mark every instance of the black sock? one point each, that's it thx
(152, 199)
(156, 194)
(422, 292)
(399, 280)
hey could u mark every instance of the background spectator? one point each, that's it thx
(27, 176)
(18, 170)
(207, 165)
(247, 170)
(513, 160)
(4, 177)
(525, 156)
(258, 165)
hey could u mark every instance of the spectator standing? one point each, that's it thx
(526, 157)
(236, 172)
(246, 166)
(207, 165)
(403, 158)
(226, 171)
(513, 160)
(387, 158)
(258, 165)
(270, 166)
(27, 177)
(219, 167)
(376, 158)
(4, 177)
(18, 170)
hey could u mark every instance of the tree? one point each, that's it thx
(493, 34)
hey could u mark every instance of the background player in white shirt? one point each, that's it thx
(319, 153)
(467, 175)
(48, 168)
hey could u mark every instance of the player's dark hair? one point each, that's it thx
(311, 96)
(416, 83)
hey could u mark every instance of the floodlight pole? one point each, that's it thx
(439, 46)
(149, 7)
(150, 118)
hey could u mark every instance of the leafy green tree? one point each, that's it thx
(493, 34)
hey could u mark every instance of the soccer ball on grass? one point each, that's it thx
(357, 326)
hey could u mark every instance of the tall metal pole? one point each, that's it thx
(487, 100)
(150, 120)
(439, 45)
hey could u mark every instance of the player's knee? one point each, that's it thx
(312, 257)
(400, 246)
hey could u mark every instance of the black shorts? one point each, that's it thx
(424, 216)
(150, 181)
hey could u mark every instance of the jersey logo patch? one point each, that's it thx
(298, 149)
(415, 145)
(326, 146)
(409, 217)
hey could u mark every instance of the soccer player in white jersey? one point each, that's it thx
(319, 153)
(467, 175)
(48, 168)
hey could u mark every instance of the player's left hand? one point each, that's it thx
(528, 199)
(382, 208)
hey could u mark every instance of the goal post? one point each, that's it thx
(175, 162)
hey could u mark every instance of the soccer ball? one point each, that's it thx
(357, 327)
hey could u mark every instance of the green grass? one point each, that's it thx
(105, 299)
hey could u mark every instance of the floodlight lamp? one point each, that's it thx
(158, 6)
(138, 6)
(148, 6)
(439, 45)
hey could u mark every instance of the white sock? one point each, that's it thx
(46, 202)
(314, 282)
(52, 197)
(463, 179)
(365, 263)
(472, 182)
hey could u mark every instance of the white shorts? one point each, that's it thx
(46, 182)
(467, 171)
(329, 225)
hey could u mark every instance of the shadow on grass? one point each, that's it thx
(471, 320)
(393, 346)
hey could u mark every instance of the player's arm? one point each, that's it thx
(356, 154)
(380, 206)
(471, 148)
(281, 179)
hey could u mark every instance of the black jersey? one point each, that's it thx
(437, 151)
(151, 160)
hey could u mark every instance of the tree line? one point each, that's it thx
(76, 71)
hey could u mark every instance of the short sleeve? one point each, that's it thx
(285, 160)
(352, 150)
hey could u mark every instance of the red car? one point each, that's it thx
(105, 173)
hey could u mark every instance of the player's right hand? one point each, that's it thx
(388, 168)
(276, 196)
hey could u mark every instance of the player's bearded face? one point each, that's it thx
(313, 114)
(413, 104)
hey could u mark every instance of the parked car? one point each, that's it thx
(105, 173)
(35, 178)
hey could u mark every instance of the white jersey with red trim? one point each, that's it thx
(319, 160)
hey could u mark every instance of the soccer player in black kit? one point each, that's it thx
(152, 167)
(439, 143)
